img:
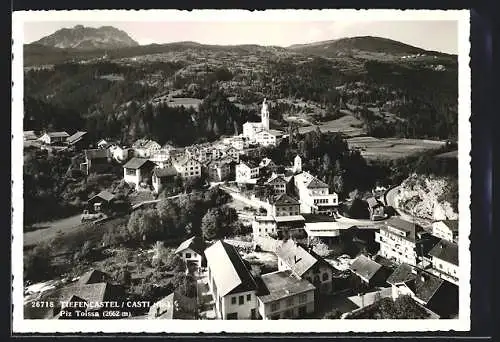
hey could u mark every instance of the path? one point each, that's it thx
(390, 200)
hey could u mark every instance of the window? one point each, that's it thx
(275, 306)
(188, 255)
(249, 297)
(130, 172)
(303, 298)
(325, 276)
(241, 300)
(233, 300)
(289, 302)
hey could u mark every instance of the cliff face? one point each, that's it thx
(424, 196)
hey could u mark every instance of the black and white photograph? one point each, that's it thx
(289, 170)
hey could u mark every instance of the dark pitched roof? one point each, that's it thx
(165, 172)
(230, 272)
(365, 267)
(137, 163)
(451, 224)
(95, 292)
(316, 183)
(296, 257)
(445, 250)
(278, 285)
(285, 199)
(423, 284)
(410, 229)
(93, 276)
(96, 154)
(105, 195)
(250, 163)
(195, 243)
(76, 137)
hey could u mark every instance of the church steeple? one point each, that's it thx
(264, 114)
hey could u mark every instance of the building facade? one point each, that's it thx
(246, 172)
(314, 195)
(447, 229)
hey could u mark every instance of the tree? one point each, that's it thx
(144, 225)
(37, 264)
(320, 248)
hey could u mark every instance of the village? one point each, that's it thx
(293, 220)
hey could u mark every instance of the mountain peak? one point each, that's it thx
(86, 38)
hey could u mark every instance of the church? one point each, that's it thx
(259, 132)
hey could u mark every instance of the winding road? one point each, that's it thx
(390, 200)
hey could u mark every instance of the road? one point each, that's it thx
(390, 200)
(48, 230)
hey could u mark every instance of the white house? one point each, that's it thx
(259, 132)
(144, 148)
(447, 229)
(279, 183)
(138, 172)
(285, 296)
(187, 167)
(305, 265)
(231, 283)
(162, 176)
(118, 153)
(191, 251)
(264, 226)
(50, 138)
(445, 261)
(314, 194)
(247, 172)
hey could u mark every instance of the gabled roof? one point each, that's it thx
(446, 251)
(195, 243)
(57, 134)
(250, 163)
(165, 172)
(285, 199)
(411, 229)
(92, 276)
(275, 132)
(282, 284)
(423, 284)
(276, 178)
(316, 183)
(76, 137)
(137, 163)
(105, 195)
(365, 267)
(95, 292)
(96, 154)
(296, 257)
(167, 307)
(230, 272)
(146, 143)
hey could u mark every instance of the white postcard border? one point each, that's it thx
(21, 325)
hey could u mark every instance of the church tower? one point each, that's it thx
(297, 164)
(264, 114)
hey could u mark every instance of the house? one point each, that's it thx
(96, 160)
(161, 158)
(436, 294)
(237, 142)
(138, 172)
(103, 143)
(145, 148)
(29, 136)
(103, 201)
(247, 172)
(368, 271)
(285, 205)
(376, 209)
(119, 153)
(187, 167)
(174, 306)
(78, 140)
(278, 183)
(218, 170)
(445, 261)
(191, 251)
(264, 226)
(306, 265)
(446, 229)
(266, 138)
(231, 152)
(51, 138)
(282, 295)
(162, 177)
(259, 132)
(231, 283)
(86, 297)
(403, 242)
(314, 195)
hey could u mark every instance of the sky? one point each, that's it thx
(436, 35)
